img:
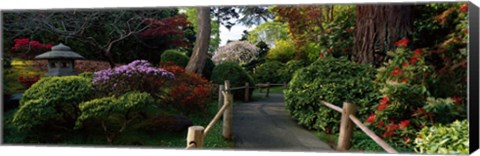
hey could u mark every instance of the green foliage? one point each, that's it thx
(290, 68)
(363, 142)
(104, 108)
(270, 71)
(269, 32)
(444, 139)
(52, 100)
(88, 75)
(208, 69)
(175, 57)
(283, 51)
(332, 80)
(338, 39)
(237, 76)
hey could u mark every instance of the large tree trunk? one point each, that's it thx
(197, 60)
(378, 27)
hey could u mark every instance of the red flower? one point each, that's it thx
(404, 123)
(380, 124)
(321, 55)
(417, 52)
(402, 43)
(371, 118)
(464, 8)
(392, 127)
(384, 100)
(457, 99)
(396, 71)
(413, 59)
(387, 134)
(404, 80)
(382, 106)
(405, 64)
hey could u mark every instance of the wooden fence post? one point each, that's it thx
(220, 96)
(285, 84)
(247, 91)
(346, 127)
(195, 135)
(268, 89)
(227, 115)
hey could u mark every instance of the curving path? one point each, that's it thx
(266, 125)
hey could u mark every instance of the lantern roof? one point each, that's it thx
(60, 51)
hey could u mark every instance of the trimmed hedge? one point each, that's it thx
(175, 57)
(237, 76)
(270, 71)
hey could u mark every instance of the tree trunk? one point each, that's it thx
(197, 60)
(378, 27)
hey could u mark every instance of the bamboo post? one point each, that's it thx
(195, 136)
(346, 127)
(227, 115)
(247, 93)
(268, 89)
(220, 96)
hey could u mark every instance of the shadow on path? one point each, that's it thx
(266, 125)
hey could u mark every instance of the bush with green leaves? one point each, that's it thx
(290, 68)
(115, 114)
(332, 80)
(237, 76)
(207, 70)
(443, 139)
(52, 101)
(270, 71)
(175, 57)
(283, 51)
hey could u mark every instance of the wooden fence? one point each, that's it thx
(347, 124)
(196, 134)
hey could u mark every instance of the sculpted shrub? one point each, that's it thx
(52, 100)
(283, 51)
(175, 57)
(444, 139)
(237, 76)
(115, 114)
(136, 76)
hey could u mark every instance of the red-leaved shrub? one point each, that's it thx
(189, 92)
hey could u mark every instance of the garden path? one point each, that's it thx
(264, 124)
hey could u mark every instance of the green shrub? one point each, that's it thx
(270, 71)
(283, 51)
(332, 80)
(175, 57)
(88, 75)
(115, 113)
(448, 139)
(290, 68)
(207, 70)
(237, 76)
(52, 100)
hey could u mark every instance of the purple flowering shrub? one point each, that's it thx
(138, 75)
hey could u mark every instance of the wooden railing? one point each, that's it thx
(346, 127)
(196, 134)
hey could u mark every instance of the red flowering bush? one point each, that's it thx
(408, 103)
(28, 80)
(27, 49)
(189, 92)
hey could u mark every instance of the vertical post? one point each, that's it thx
(195, 135)
(227, 115)
(220, 96)
(247, 93)
(346, 127)
(268, 89)
(285, 84)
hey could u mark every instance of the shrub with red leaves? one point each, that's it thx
(28, 80)
(28, 49)
(189, 92)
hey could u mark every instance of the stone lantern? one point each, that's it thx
(61, 60)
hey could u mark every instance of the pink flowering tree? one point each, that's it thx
(241, 52)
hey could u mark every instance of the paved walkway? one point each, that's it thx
(266, 125)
